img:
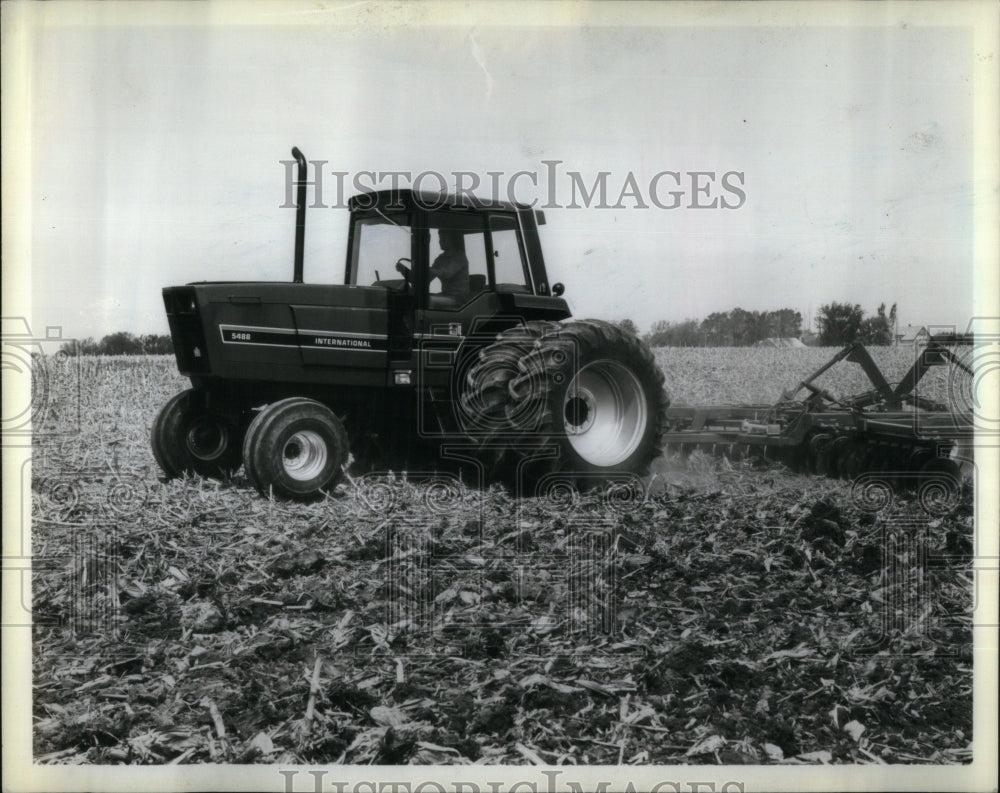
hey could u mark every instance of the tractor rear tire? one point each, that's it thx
(582, 398)
(188, 438)
(295, 449)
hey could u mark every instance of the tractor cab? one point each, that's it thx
(396, 237)
(452, 267)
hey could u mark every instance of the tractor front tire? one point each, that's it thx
(188, 438)
(295, 449)
(582, 398)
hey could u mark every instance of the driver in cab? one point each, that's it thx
(451, 267)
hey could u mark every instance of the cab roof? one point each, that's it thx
(386, 200)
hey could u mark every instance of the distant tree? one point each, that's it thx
(657, 333)
(717, 329)
(744, 327)
(156, 344)
(688, 334)
(735, 328)
(787, 323)
(761, 325)
(81, 347)
(878, 330)
(627, 325)
(121, 343)
(675, 334)
(839, 323)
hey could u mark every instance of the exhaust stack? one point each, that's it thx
(300, 214)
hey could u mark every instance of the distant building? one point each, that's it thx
(911, 334)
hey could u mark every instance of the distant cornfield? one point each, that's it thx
(695, 375)
(726, 375)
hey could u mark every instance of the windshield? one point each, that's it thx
(379, 242)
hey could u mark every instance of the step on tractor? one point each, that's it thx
(446, 339)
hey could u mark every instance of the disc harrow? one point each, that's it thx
(885, 440)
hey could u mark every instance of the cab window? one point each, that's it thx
(509, 268)
(379, 242)
(457, 261)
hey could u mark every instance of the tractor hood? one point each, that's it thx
(245, 329)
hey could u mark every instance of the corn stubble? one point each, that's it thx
(736, 613)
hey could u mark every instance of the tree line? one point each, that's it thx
(735, 328)
(838, 324)
(843, 323)
(121, 343)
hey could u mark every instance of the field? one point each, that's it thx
(720, 375)
(733, 613)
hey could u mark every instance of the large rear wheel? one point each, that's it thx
(584, 398)
(605, 413)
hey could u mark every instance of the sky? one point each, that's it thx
(156, 156)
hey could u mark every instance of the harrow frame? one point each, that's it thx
(892, 422)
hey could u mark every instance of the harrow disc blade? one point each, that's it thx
(817, 451)
(828, 462)
(854, 460)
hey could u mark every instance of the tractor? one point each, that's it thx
(294, 380)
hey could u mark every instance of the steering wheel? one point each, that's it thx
(404, 271)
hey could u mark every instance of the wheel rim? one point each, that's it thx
(604, 413)
(207, 438)
(304, 455)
